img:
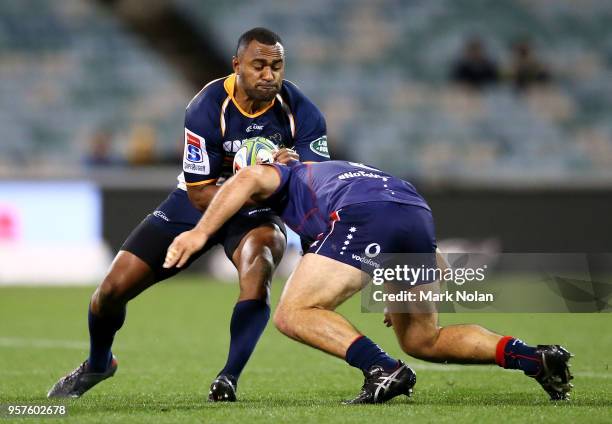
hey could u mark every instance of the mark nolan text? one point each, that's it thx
(429, 296)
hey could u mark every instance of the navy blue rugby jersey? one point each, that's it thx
(216, 126)
(310, 193)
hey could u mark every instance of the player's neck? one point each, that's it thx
(248, 104)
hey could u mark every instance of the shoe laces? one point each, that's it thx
(76, 372)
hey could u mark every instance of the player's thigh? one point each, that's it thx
(150, 241)
(266, 242)
(256, 258)
(255, 240)
(320, 282)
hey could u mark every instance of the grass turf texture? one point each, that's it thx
(175, 341)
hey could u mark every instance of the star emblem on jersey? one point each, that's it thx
(347, 242)
(352, 229)
(350, 236)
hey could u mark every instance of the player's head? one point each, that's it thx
(259, 63)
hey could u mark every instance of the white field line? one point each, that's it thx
(42, 343)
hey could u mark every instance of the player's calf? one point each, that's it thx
(255, 258)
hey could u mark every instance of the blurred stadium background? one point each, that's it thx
(499, 112)
(500, 115)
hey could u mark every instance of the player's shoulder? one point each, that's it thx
(293, 95)
(211, 96)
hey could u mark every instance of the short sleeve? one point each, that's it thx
(203, 152)
(284, 172)
(310, 128)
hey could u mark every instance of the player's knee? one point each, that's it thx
(256, 275)
(260, 264)
(421, 344)
(283, 321)
(109, 295)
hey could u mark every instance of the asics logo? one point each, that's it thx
(384, 382)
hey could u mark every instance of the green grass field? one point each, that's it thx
(175, 340)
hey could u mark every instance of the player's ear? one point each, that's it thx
(236, 65)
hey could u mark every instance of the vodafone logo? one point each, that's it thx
(372, 250)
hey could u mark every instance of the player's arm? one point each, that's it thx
(201, 167)
(255, 183)
(311, 131)
(203, 155)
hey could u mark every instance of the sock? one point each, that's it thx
(515, 355)
(249, 320)
(101, 334)
(363, 353)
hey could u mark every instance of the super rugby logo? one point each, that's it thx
(195, 159)
(194, 148)
(319, 146)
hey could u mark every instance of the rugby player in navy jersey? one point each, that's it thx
(253, 101)
(354, 213)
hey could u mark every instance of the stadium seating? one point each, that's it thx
(70, 69)
(378, 70)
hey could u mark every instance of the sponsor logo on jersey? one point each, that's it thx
(365, 261)
(356, 174)
(161, 215)
(194, 148)
(319, 146)
(232, 146)
(195, 159)
(254, 127)
(372, 250)
(260, 210)
(276, 138)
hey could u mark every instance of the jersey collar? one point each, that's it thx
(230, 85)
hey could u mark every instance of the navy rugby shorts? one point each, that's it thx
(152, 237)
(375, 234)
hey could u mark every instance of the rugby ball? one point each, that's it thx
(253, 151)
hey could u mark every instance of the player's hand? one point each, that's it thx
(183, 246)
(285, 156)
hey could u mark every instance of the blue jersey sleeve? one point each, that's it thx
(284, 172)
(203, 153)
(310, 128)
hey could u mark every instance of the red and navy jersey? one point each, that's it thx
(215, 127)
(310, 193)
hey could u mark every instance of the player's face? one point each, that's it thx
(260, 69)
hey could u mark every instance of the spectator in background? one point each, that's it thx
(100, 150)
(142, 146)
(475, 68)
(525, 69)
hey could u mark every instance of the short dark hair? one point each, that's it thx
(260, 34)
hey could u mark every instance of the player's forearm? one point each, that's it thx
(232, 196)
